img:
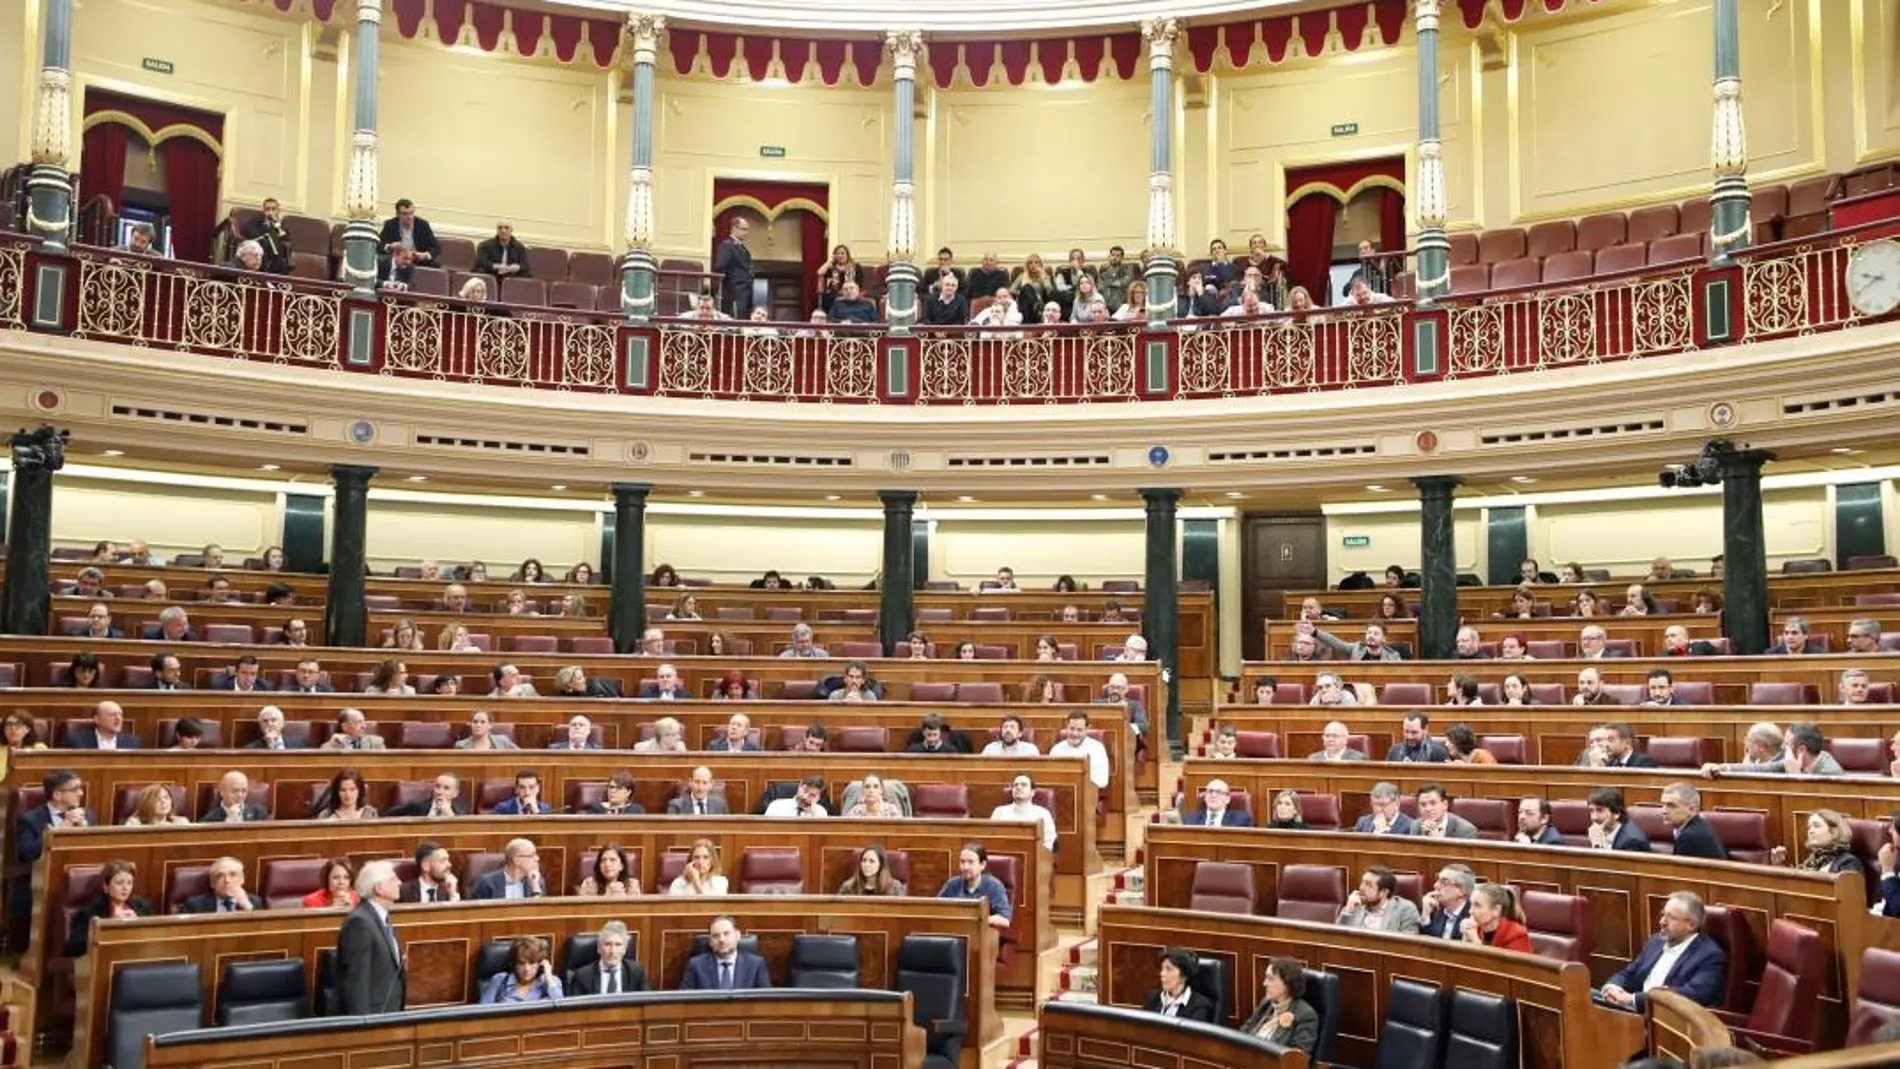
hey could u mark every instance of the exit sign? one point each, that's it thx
(1358, 541)
(1345, 129)
(772, 152)
(156, 66)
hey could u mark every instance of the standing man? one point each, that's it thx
(734, 264)
(408, 230)
(369, 971)
(268, 231)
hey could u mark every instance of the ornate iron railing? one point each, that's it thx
(1764, 293)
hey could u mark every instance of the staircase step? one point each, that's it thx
(1026, 1045)
(1078, 979)
(1126, 898)
(1083, 953)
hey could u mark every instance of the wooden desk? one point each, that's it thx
(1625, 890)
(1082, 1035)
(1647, 631)
(1731, 676)
(1833, 622)
(442, 942)
(1678, 1027)
(1786, 592)
(1884, 1056)
(851, 1030)
(1559, 1027)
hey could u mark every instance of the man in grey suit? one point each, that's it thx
(1376, 905)
(699, 800)
(369, 969)
(352, 733)
(1435, 818)
(1333, 744)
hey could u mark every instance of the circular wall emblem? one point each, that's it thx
(638, 451)
(48, 400)
(362, 432)
(1722, 414)
(900, 461)
(1158, 456)
(1427, 441)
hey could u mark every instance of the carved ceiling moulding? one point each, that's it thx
(1215, 42)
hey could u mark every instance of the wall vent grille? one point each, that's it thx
(143, 413)
(1305, 452)
(1094, 460)
(1830, 404)
(501, 445)
(771, 460)
(1566, 434)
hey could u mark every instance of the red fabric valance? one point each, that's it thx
(1315, 196)
(155, 116)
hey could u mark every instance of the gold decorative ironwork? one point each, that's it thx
(1477, 339)
(1373, 349)
(1286, 355)
(112, 299)
(1207, 361)
(412, 339)
(1028, 369)
(1661, 316)
(214, 314)
(1775, 294)
(686, 360)
(1108, 366)
(851, 367)
(12, 286)
(501, 350)
(311, 328)
(768, 365)
(1566, 329)
(588, 357)
(946, 369)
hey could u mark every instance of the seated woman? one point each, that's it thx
(529, 572)
(873, 876)
(455, 639)
(1708, 603)
(346, 798)
(734, 687)
(1513, 647)
(1461, 746)
(1283, 1016)
(1496, 920)
(336, 892)
(1830, 841)
(18, 734)
(1044, 691)
(516, 604)
(1286, 812)
(1516, 690)
(701, 874)
(919, 645)
(114, 900)
(1176, 996)
(618, 800)
(83, 672)
(529, 976)
(482, 735)
(1391, 607)
(154, 807)
(1587, 604)
(664, 575)
(685, 607)
(966, 650)
(445, 685)
(872, 803)
(391, 677)
(404, 636)
(1046, 649)
(582, 573)
(574, 606)
(613, 875)
(1523, 605)
(669, 736)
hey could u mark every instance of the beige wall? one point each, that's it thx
(172, 519)
(1395, 540)
(1863, 67)
(19, 69)
(731, 550)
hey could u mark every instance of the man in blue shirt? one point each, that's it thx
(974, 882)
(518, 877)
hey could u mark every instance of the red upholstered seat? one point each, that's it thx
(183, 882)
(240, 634)
(992, 652)
(1648, 818)
(82, 883)
(1501, 244)
(1784, 1013)
(1571, 818)
(417, 735)
(1405, 694)
(524, 291)
(547, 264)
(1676, 249)
(1699, 692)
(1471, 278)
(933, 616)
(1008, 870)
(591, 644)
(489, 793)
(1510, 274)
(1496, 818)
(1864, 756)
(859, 740)
(536, 644)
(1694, 215)
(1876, 995)
(980, 691)
(1615, 258)
(991, 613)
(1872, 560)
(1626, 693)
(285, 881)
(1550, 238)
(735, 612)
(1601, 231)
(1777, 693)
(1257, 744)
(933, 692)
(1508, 749)
(1545, 649)
(573, 295)
(771, 870)
(860, 649)
(798, 690)
(946, 801)
(1654, 222)
(1222, 887)
(429, 282)
(1311, 893)
(1565, 266)
(1806, 214)
(1768, 204)
(593, 269)
(1744, 834)
(1677, 751)
(1320, 811)
(1559, 925)
(456, 254)
(1464, 249)
(1289, 694)
(784, 614)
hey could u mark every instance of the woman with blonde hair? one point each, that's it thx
(1495, 920)
(155, 806)
(404, 636)
(1830, 843)
(1035, 286)
(1135, 308)
(474, 289)
(701, 874)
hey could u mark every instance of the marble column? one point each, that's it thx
(36, 456)
(49, 185)
(627, 604)
(1728, 146)
(1438, 568)
(359, 189)
(345, 622)
(1161, 615)
(1428, 200)
(897, 589)
(1744, 551)
(639, 271)
(1158, 270)
(900, 297)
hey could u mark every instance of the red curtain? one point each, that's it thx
(102, 165)
(812, 257)
(1391, 220)
(191, 186)
(1309, 237)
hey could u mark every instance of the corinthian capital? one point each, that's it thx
(905, 46)
(1160, 33)
(645, 31)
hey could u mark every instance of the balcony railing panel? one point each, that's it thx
(761, 362)
(460, 341)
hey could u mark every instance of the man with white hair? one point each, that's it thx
(1333, 739)
(1115, 692)
(1470, 645)
(1001, 312)
(1594, 644)
(579, 736)
(352, 733)
(234, 804)
(1766, 749)
(1134, 650)
(518, 877)
(369, 960)
(613, 973)
(803, 644)
(1215, 811)
(1328, 689)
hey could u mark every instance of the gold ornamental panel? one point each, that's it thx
(112, 299)
(946, 370)
(1108, 366)
(1286, 356)
(214, 314)
(1207, 360)
(1477, 339)
(412, 340)
(851, 367)
(1661, 316)
(312, 326)
(1374, 350)
(12, 286)
(1028, 370)
(686, 361)
(768, 365)
(587, 358)
(1775, 293)
(501, 350)
(1566, 329)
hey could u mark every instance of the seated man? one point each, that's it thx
(1371, 647)
(974, 881)
(396, 272)
(1002, 311)
(1676, 643)
(858, 685)
(1794, 638)
(1214, 811)
(1376, 905)
(807, 802)
(1307, 648)
(724, 967)
(1022, 806)
(1593, 644)
(435, 876)
(803, 644)
(1416, 743)
(1226, 744)
(1333, 740)
(352, 733)
(1613, 745)
(738, 736)
(168, 673)
(933, 737)
(1010, 741)
(851, 306)
(813, 740)
(107, 730)
(946, 307)
(666, 686)
(234, 802)
(988, 278)
(652, 643)
(1807, 754)
(1590, 689)
(1116, 691)
(455, 599)
(1855, 686)
(501, 255)
(309, 678)
(1679, 958)
(1662, 689)
(1766, 749)
(1470, 645)
(613, 972)
(1077, 740)
(175, 626)
(699, 799)
(227, 893)
(270, 731)
(1682, 808)
(139, 239)
(1386, 817)
(527, 797)
(1435, 818)
(1446, 906)
(1134, 650)
(518, 877)
(578, 736)
(1608, 828)
(1534, 827)
(1329, 690)
(1863, 636)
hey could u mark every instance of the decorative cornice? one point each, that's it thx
(644, 30)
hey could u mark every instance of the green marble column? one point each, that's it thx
(639, 272)
(345, 623)
(360, 232)
(1161, 611)
(1728, 145)
(36, 456)
(1438, 568)
(627, 605)
(49, 186)
(1158, 269)
(897, 590)
(1744, 551)
(1428, 200)
(901, 280)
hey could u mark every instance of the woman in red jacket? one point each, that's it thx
(1496, 920)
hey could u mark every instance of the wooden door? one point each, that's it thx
(1280, 553)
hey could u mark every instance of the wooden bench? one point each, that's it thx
(1625, 890)
(1559, 1027)
(442, 943)
(1731, 677)
(1646, 631)
(1083, 1035)
(1678, 1027)
(1785, 592)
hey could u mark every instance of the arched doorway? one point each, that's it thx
(143, 161)
(791, 222)
(1331, 208)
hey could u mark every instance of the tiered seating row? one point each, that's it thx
(1787, 593)
(1732, 680)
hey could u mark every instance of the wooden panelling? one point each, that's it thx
(1785, 592)
(1731, 676)
(1082, 1035)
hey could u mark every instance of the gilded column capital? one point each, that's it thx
(53, 118)
(359, 190)
(1161, 34)
(905, 46)
(369, 11)
(1429, 197)
(645, 30)
(1728, 150)
(1426, 16)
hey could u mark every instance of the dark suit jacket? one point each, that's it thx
(1609, 652)
(734, 261)
(1432, 751)
(702, 973)
(1443, 917)
(633, 977)
(1701, 974)
(230, 683)
(1697, 648)
(495, 886)
(651, 689)
(29, 832)
(599, 809)
(724, 745)
(411, 892)
(81, 934)
(951, 313)
(252, 814)
(369, 977)
(275, 243)
(208, 903)
(1403, 826)
(490, 253)
(424, 239)
(1229, 818)
(1550, 836)
(321, 688)
(159, 684)
(1630, 837)
(683, 806)
(561, 744)
(86, 737)
(1305, 1031)
(1890, 895)
(1198, 1007)
(1698, 839)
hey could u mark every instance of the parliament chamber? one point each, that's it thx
(1405, 580)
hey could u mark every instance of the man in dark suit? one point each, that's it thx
(1534, 827)
(614, 973)
(1593, 643)
(1676, 643)
(738, 736)
(369, 966)
(1679, 957)
(106, 732)
(724, 967)
(1794, 639)
(698, 799)
(435, 877)
(406, 229)
(1386, 818)
(168, 673)
(1176, 996)
(227, 894)
(1613, 745)
(268, 231)
(1448, 903)
(1215, 812)
(580, 735)
(310, 678)
(397, 271)
(65, 808)
(234, 802)
(734, 263)
(501, 255)
(527, 797)
(946, 307)
(244, 677)
(1682, 808)
(1610, 828)
(666, 685)
(518, 877)
(1417, 744)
